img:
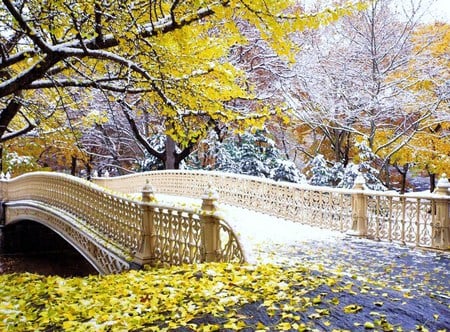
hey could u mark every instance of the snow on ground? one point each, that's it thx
(264, 238)
(268, 239)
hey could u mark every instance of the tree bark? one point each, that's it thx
(1, 158)
(73, 167)
(170, 161)
(403, 173)
(7, 114)
(432, 181)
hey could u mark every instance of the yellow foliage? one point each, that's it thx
(184, 71)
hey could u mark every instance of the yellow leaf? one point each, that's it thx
(284, 326)
(352, 308)
(369, 325)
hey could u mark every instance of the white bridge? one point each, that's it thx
(115, 230)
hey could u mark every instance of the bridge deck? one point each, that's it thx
(265, 238)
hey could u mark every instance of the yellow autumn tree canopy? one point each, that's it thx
(173, 53)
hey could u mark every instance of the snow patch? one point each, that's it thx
(264, 238)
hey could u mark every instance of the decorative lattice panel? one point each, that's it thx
(177, 237)
(316, 206)
(399, 218)
(115, 217)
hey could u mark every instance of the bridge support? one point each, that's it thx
(210, 226)
(145, 255)
(441, 225)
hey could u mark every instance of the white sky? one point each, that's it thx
(440, 10)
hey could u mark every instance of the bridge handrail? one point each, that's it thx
(118, 218)
(420, 219)
(280, 199)
(176, 236)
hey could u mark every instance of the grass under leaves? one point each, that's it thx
(226, 297)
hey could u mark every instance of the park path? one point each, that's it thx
(412, 284)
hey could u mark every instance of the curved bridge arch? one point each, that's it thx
(116, 233)
(88, 245)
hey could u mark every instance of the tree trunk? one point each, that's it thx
(403, 171)
(387, 176)
(432, 181)
(170, 154)
(347, 151)
(89, 170)
(73, 167)
(403, 174)
(1, 158)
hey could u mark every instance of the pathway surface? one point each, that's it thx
(398, 287)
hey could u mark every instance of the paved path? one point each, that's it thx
(400, 288)
(406, 287)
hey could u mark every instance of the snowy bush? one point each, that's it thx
(366, 157)
(320, 173)
(19, 164)
(251, 154)
(286, 170)
(337, 176)
(349, 176)
(14, 160)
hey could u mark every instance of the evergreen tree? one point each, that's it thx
(321, 174)
(337, 176)
(251, 154)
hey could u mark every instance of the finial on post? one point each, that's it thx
(148, 193)
(360, 182)
(209, 198)
(211, 192)
(443, 185)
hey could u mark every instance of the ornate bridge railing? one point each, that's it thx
(115, 233)
(416, 218)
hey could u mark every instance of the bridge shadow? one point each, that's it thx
(28, 246)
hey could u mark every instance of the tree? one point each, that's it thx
(172, 53)
(52, 144)
(429, 149)
(349, 87)
(340, 176)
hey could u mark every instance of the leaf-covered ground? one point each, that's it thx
(330, 285)
(301, 279)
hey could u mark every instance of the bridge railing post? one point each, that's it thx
(210, 226)
(359, 208)
(441, 224)
(145, 254)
